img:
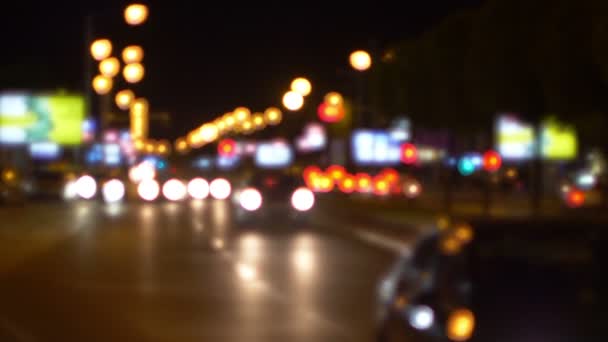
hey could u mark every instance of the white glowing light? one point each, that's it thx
(220, 188)
(148, 190)
(246, 272)
(250, 199)
(174, 190)
(70, 190)
(86, 187)
(198, 188)
(302, 199)
(113, 191)
(422, 317)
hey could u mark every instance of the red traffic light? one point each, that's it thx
(409, 153)
(492, 161)
(226, 148)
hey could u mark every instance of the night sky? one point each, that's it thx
(205, 58)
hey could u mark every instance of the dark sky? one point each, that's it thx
(205, 58)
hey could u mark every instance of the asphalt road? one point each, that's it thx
(180, 272)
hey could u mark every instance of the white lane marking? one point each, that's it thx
(15, 331)
(383, 242)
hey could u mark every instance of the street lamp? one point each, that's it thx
(133, 72)
(132, 54)
(360, 60)
(273, 116)
(258, 121)
(293, 101)
(109, 67)
(136, 14)
(301, 86)
(208, 132)
(102, 84)
(241, 114)
(124, 98)
(101, 49)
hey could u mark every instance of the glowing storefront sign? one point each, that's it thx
(273, 154)
(515, 139)
(375, 147)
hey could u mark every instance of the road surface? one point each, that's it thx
(181, 272)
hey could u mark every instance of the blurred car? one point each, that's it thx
(267, 195)
(48, 184)
(501, 281)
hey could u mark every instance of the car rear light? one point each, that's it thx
(250, 199)
(302, 199)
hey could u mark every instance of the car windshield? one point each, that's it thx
(233, 171)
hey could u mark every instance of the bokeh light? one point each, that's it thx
(102, 84)
(301, 86)
(113, 191)
(132, 54)
(220, 188)
(174, 190)
(124, 98)
(198, 188)
(250, 199)
(136, 14)
(360, 60)
(148, 190)
(109, 67)
(101, 49)
(293, 101)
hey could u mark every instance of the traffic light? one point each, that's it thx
(409, 154)
(492, 161)
(226, 148)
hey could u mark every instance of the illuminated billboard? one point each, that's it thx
(514, 139)
(559, 141)
(26, 118)
(375, 147)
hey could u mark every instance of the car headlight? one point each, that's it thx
(302, 199)
(70, 190)
(250, 199)
(113, 191)
(174, 190)
(220, 188)
(86, 187)
(421, 317)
